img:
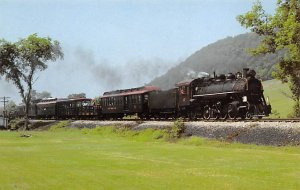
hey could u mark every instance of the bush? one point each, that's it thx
(177, 129)
(16, 124)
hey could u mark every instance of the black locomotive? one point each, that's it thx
(218, 97)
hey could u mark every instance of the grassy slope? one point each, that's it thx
(281, 105)
(99, 159)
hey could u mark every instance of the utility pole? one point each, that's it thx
(4, 100)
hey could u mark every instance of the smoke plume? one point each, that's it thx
(130, 74)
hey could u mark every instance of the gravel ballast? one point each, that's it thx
(262, 133)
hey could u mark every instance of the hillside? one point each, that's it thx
(278, 95)
(226, 55)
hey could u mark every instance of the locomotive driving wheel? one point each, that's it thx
(224, 113)
(215, 112)
(232, 111)
(193, 115)
(206, 113)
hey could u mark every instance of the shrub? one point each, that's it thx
(16, 124)
(177, 129)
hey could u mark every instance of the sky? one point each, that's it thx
(116, 44)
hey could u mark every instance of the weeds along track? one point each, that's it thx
(275, 132)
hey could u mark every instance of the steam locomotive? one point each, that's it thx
(218, 97)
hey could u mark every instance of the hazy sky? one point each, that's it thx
(118, 43)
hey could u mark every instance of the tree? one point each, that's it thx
(96, 100)
(11, 107)
(20, 61)
(79, 95)
(39, 95)
(280, 32)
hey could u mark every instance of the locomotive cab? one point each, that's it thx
(257, 105)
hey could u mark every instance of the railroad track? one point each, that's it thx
(288, 120)
(281, 120)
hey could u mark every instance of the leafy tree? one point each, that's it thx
(39, 95)
(20, 61)
(79, 95)
(96, 100)
(11, 106)
(280, 32)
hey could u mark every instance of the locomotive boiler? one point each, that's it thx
(231, 96)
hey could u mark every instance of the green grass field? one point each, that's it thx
(104, 159)
(282, 106)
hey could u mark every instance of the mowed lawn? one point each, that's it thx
(100, 159)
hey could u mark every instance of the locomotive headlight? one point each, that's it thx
(244, 98)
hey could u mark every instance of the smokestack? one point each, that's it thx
(245, 70)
